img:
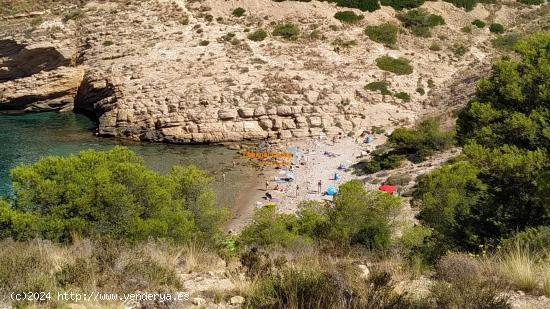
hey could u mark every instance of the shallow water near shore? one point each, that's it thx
(26, 138)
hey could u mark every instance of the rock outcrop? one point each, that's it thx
(34, 79)
(185, 71)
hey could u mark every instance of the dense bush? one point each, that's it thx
(287, 31)
(500, 185)
(422, 141)
(532, 2)
(348, 17)
(357, 217)
(420, 21)
(467, 5)
(109, 194)
(496, 28)
(478, 23)
(381, 86)
(403, 96)
(399, 66)
(398, 5)
(447, 194)
(385, 161)
(363, 5)
(238, 12)
(536, 239)
(385, 33)
(258, 35)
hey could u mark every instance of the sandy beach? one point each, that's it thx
(320, 160)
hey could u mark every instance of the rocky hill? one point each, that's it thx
(196, 71)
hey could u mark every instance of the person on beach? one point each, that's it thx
(297, 189)
(319, 185)
(266, 185)
(223, 177)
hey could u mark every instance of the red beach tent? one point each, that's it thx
(388, 188)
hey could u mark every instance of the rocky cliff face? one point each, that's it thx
(184, 71)
(36, 78)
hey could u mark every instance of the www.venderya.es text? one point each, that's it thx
(99, 296)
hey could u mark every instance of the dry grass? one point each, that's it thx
(545, 272)
(197, 258)
(107, 266)
(518, 266)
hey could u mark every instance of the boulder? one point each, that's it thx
(227, 114)
(236, 300)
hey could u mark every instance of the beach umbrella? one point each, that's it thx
(331, 190)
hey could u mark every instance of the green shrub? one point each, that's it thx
(422, 141)
(506, 41)
(204, 43)
(399, 66)
(419, 21)
(238, 12)
(287, 31)
(108, 43)
(385, 33)
(467, 5)
(363, 5)
(360, 217)
(420, 91)
(496, 28)
(398, 5)
(258, 35)
(532, 2)
(109, 194)
(381, 87)
(537, 239)
(403, 96)
(270, 229)
(348, 17)
(500, 131)
(357, 218)
(478, 23)
(386, 161)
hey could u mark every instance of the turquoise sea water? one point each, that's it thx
(26, 138)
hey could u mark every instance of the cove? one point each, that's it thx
(26, 138)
